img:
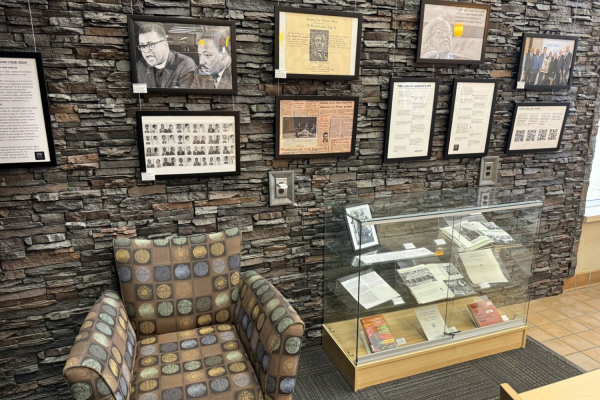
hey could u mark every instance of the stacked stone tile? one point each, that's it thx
(57, 224)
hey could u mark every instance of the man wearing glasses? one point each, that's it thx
(161, 67)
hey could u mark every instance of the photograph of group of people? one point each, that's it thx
(547, 61)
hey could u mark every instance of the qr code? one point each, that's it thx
(542, 134)
(530, 135)
(520, 136)
(553, 134)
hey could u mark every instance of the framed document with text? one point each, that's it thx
(471, 117)
(411, 117)
(452, 33)
(315, 126)
(537, 127)
(316, 44)
(181, 144)
(25, 127)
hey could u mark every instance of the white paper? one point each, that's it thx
(444, 271)
(408, 246)
(537, 127)
(482, 267)
(398, 300)
(396, 255)
(280, 73)
(431, 321)
(148, 176)
(373, 289)
(521, 85)
(423, 285)
(439, 242)
(140, 88)
(400, 341)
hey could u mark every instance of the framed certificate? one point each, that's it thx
(410, 120)
(537, 127)
(471, 116)
(317, 44)
(315, 126)
(25, 128)
(452, 33)
(176, 144)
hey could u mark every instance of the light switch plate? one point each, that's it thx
(488, 172)
(281, 199)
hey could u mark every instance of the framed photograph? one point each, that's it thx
(452, 33)
(365, 238)
(471, 117)
(177, 144)
(317, 44)
(547, 61)
(315, 126)
(26, 131)
(537, 127)
(183, 55)
(412, 104)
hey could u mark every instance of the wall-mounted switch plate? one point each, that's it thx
(488, 173)
(281, 188)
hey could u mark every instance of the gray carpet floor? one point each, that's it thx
(524, 369)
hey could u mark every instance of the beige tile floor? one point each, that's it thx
(569, 324)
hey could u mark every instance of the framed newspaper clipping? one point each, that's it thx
(25, 127)
(178, 144)
(452, 33)
(317, 44)
(537, 127)
(411, 118)
(471, 117)
(315, 126)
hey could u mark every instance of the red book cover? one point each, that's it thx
(378, 333)
(485, 313)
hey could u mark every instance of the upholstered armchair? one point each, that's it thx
(189, 326)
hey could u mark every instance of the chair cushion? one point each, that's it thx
(205, 363)
(178, 284)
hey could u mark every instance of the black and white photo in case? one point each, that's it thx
(174, 55)
(363, 236)
(175, 143)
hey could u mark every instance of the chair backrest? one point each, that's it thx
(171, 285)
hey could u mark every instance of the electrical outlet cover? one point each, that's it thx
(488, 172)
(275, 176)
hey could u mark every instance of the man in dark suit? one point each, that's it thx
(529, 57)
(214, 65)
(561, 66)
(161, 67)
(567, 66)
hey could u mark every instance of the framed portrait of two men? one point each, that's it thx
(183, 55)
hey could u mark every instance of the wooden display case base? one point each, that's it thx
(401, 366)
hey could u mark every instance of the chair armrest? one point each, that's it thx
(100, 363)
(271, 332)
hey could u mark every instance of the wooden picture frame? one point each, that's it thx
(186, 70)
(175, 143)
(415, 88)
(312, 49)
(308, 130)
(450, 47)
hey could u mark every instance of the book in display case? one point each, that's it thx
(419, 281)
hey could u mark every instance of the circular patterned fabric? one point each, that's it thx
(271, 384)
(148, 361)
(161, 242)
(148, 385)
(148, 373)
(98, 352)
(81, 391)
(102, 339)
(189, 344)
(192, 365)
(102, 387)
(196, 390)
(208, 340)
(216, 236)
(227, 336)
(165, 309)
(217, 249)
(124, 274)
(146, 310)
(182, 271)
(142, 274)
(164, 291)
(149, 396)
(235, 294)
(203, 304)
(93, 364)
(220, 283)
(204, 319)
(201, 268)
(283, 324)
(142, 242)
(162, 274)
(219, 384)
(293, 345)
(122, 242)
(237, 367)
(170, 369)
(241, 380)
(222, 300)
(142, 256)
(277, 313)
(232, 231)
(109, 310)
(168, 347)
(218, 266)
(144, 292)
(172, 394)
(234, 356)
(216, 371)
(198, 239)
(206, 331)
(180, 254)
(184, 307)
(102, 327)
(287, 385)
(147, 327)
(235, 261)
(200, 252)
(213, 360)
(179, 241)
(245, 395)
(122, 256)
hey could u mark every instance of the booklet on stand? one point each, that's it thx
(423, 285)
(482, 267)
(431, 321)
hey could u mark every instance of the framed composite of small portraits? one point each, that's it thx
(362, 236)
(315, 126)
(25, 128)
(547, 61)
(537, 127)
(471, 117)
(183, 55)
(452, 32)
(410, 119)
(317, 44)
(178, 144)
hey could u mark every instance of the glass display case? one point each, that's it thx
(418, 281)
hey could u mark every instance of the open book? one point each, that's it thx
(475, 232)
(433, 282)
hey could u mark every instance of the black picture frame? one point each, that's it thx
(424, 4)
(451, 117)
(511, 133)
(527, 39)
(349, 220)
(389, 118)
(359, 16)
(45, 110)
(279, 99)
(141, 146)
(179, 22)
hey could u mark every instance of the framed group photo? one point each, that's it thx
(367, 236)
(315, 126)
(317, 44)
(471, 117)
(177, 144)
(547, 61)
(412, 105)
(183, 55)
(537, 127)
(452, 32)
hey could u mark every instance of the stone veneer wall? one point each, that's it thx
(56, 224)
